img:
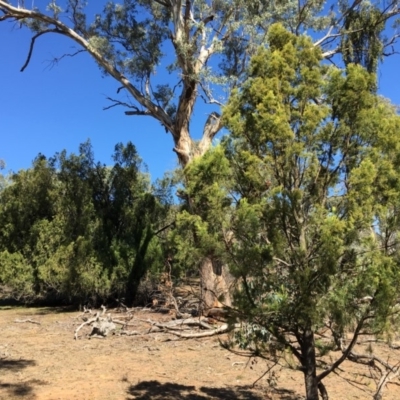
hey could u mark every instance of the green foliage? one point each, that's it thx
(363, 41)
(302, 199)
(75, 229)
(204, 204)
(17, 276)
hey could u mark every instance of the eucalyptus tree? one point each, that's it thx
(302, 201)
(211, 42)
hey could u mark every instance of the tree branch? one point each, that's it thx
(33, 40)
(212, 126)
(345, 353)
(136, 110)
(56, 60)
(157, 112)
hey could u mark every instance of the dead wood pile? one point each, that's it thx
(181, 303)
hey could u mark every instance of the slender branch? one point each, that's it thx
(135, 111)
(56, 60)
(164, 228)
(33, 40)
(346, 352)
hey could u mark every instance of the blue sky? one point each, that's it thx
(50, 109)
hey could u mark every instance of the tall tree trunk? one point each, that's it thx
(214, 277)
(309, 364)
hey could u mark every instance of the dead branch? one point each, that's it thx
(123, 323)
(385, 379)
(188, 321)
(128, 333)
(102, 327)
(222, 329)
(31, 321)
(88, 322)
(56, 60)
(369, 359)
(136, 110)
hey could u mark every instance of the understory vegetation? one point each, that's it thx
(76, 230)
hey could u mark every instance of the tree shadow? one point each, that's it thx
(23, 389)
(154, 390)
(16, 365)
(32, 310)
(17, 389)
(55, 310)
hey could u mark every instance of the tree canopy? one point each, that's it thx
(301, 200)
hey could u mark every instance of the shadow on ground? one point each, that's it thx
(38, 310)
(14, 390)
(154, 390)
(15, 365)
(54, 310)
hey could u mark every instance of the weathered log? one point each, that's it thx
(102, 327)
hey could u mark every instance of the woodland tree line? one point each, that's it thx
(291, 220)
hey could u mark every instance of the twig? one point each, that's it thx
(386, 379)
(265, 373)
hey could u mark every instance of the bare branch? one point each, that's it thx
(88, 322)
(135, 109)
(28, 58)
(56, 60)
(346, 352)
(138, 112)
(209, 95)
(222, 329)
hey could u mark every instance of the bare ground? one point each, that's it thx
(44, 362)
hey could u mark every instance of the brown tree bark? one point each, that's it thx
(215, 285)
(309, 365)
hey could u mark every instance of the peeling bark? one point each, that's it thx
(215, 290)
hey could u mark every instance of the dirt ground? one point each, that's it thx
(45, 362)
